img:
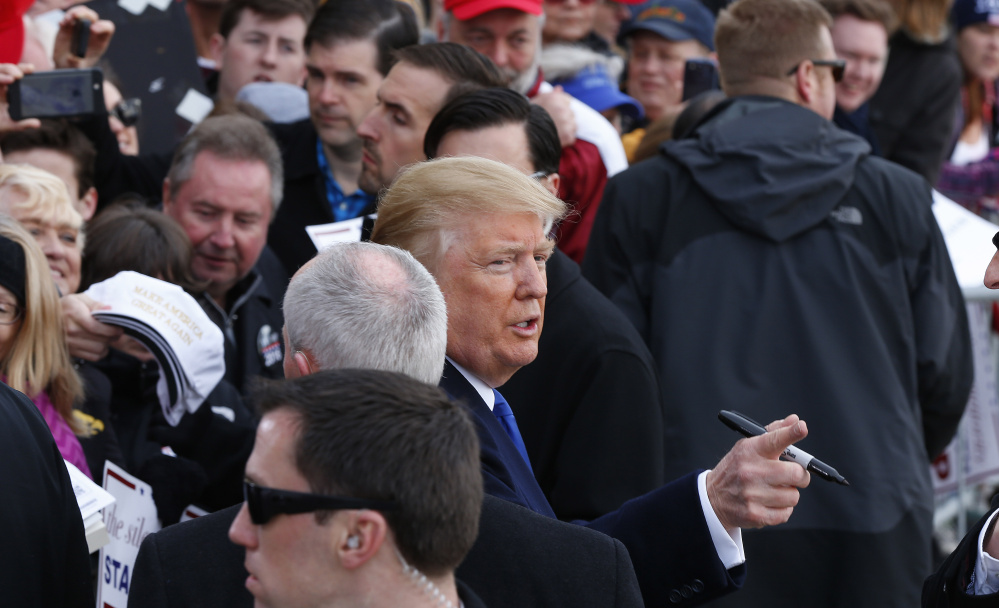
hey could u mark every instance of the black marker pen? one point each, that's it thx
(749, 428)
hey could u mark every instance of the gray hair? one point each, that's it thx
(232, 137)
(346, 313)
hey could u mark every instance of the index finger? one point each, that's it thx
(79, 12)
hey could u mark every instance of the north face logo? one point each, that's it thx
(847, 215)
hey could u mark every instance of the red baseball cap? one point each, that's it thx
(464, 10)
(12, 29)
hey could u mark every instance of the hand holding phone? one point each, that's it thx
(57, 93)
(8, 74)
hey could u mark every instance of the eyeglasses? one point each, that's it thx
(838, 67)
(265, 503)
(128, 111)
(9, 313)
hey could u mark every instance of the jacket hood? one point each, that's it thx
(770, 166)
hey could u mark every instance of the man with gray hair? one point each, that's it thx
(403, 328)
(368, 286)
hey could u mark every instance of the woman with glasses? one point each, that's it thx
(970, 176)
(33, 354)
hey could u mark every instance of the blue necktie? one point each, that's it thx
(503, 413)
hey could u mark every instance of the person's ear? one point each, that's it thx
(88, 202)
(361, 538)
(805, 83)
(304, 363)
(552, 183)
(167, 202)
(216, 46)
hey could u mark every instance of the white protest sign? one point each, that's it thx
(128, 521)
(979, 430)
(969, 243)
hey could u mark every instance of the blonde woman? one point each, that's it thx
(33, 354)
(40, 202)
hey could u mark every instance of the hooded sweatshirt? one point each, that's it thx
(774, 267)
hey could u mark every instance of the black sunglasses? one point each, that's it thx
(128, 111)
(838, 67)
(265, 503)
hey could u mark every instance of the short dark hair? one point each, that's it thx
(389, 24)
(272, 10)
(494, 107)
(128, 235)
(58, 136)
(878, 11)
(385, 436)
(467, 69)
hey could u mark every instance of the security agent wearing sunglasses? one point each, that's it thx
(363, 488)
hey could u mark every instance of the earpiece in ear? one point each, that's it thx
(353, 542)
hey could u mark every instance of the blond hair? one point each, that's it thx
(38, 358)
(429, 200)
(44, 197)
(924, 20)
(764, 39)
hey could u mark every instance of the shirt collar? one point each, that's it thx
(480, 387)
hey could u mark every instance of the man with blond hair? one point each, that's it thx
(860, 32)
(509, 32)
(769, 261)
(482, 229)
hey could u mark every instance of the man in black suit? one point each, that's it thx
(349, 47)
(482, 229)
(589, 406)
(339, 512)
(380, 300)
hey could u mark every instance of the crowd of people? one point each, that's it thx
(505, 391)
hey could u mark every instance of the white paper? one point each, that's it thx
(969, 243)
(131, 519)
(160, 4)
(134, 6)
(90, 496)
(324, 235)
(194, 107)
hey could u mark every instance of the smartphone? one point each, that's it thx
(57, 93)
(81, 37)
(699, 75)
